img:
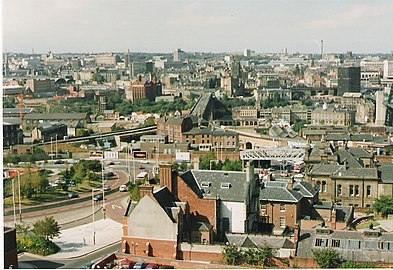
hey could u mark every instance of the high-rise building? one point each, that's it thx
(380, 112)
(348, 80)
(388, 69)
(179, 55)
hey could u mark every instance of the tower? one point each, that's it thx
(348, 80)
(321, 48)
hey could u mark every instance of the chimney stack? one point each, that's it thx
(167, 179)
(334, 219)
(145, 190)
(290, 184)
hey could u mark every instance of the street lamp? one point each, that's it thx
(20, 207)
(103, 185)
(13, 199)
(92, 210)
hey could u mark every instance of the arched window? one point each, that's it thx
(368, 190)
(356, 190)
(339, 189)
(324, 186)
(318, 185)
(351, 190)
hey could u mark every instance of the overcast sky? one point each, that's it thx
(205, 26)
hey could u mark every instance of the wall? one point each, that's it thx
(149, 247)
(146, 214)
(236, 212)
(200, 210)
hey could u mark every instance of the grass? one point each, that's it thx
(53, 194)
(366, 225)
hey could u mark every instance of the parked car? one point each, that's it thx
(59, 162)
(141, 167)
(140, 265)
(152, 266)
(72, 195)
(145, 161)
(106, 188)
(98, 197)
(123, 188)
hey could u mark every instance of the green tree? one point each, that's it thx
(205, 161)
(383, 205)
(39, 181)
(232, 254)
(46, 228)
(232, 165)
(326, 258)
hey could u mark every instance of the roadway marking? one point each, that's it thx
(114, 206)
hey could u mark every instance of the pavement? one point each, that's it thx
(78, 241)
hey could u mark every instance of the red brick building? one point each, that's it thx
(145, 90)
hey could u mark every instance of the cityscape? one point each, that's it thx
(195, 134)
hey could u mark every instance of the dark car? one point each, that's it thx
(140, 265)
(72, 195)
(59, 162)
(98, 197)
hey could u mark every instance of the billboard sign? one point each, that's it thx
(183, 157)
(140, 154)
(96, 154)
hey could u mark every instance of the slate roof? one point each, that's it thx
(244, 240)
(359, 152)
(209, 184)
(200, 226)
(325, 169)
(346, 157)
(305, 189)
(279, 194)
(358, 173)
(362, 137)
(337, 137)
(55, 116)
(198, 131)
(386, 173)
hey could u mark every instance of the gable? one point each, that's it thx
(149, 220)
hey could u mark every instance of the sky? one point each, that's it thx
(64, 26)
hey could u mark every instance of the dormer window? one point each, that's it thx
(206, 184)
(225, 185)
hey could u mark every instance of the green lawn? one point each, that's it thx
(366, 225)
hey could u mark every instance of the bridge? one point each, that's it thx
(276, 154)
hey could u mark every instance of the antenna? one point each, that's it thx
(321, 48)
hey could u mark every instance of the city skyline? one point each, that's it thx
(206, 26)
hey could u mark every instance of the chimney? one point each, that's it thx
(296, 233)
(290, 184)
(333, 219)
(196, 164)
(145, 190)
(250, 171)
(167, 179)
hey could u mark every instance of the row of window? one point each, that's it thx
(354, 244)
(354, 190)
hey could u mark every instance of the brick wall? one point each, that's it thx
(200, 210)
(149, 247)
(290, 214)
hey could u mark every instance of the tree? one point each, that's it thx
(46, 228)
(205, 160)
(264, 255)
(326, 258)
(232, 254)
(383, 205)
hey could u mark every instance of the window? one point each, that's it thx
(282, 222)
(321, 242)
(263, 206)
(335, 242)
(339, 190)
(368, 191)
(324, 186)
(225, 185)
(318, 185)
(282, 207)
(354, 244)
(203, 141)
(356, 190)
(371, 244)
(351, 190)
(205, 184)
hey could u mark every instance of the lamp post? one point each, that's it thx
(103, 186)
(92, 210)
(13, 199)
(20, 206)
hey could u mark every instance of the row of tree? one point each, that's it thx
(258, 256)
(209, 161)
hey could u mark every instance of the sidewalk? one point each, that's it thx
(78, 241)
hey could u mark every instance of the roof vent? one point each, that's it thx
(225, 185)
